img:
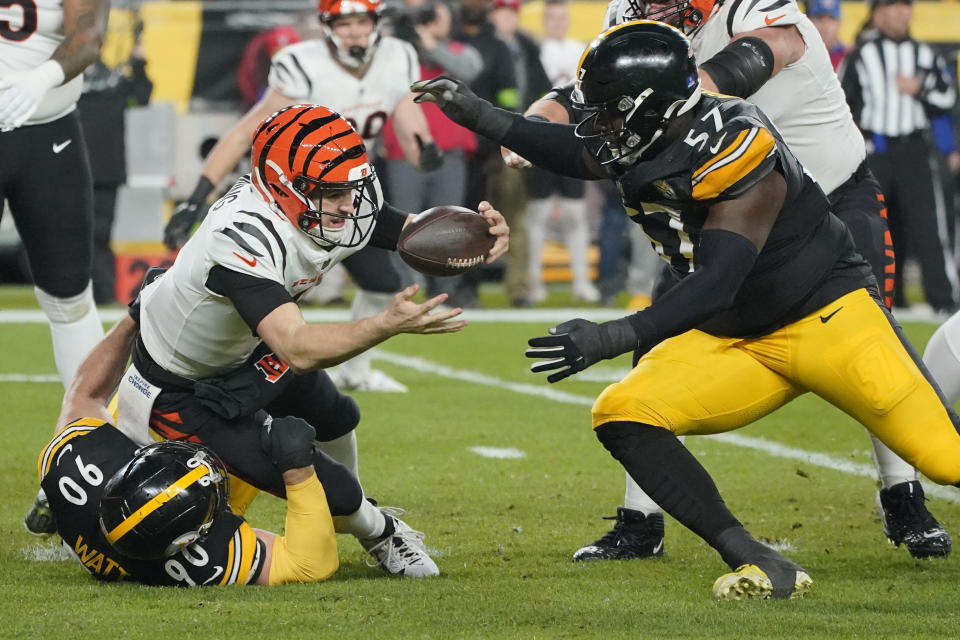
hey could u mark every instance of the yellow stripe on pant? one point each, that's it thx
(847, 353)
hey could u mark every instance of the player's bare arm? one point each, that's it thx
(84, 26)
(98, 375)
(306, 347)
(751, 59)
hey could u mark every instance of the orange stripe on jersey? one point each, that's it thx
(80, 427)
(723, 154)
(727, 172)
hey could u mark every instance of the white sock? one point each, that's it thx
(366, 522)
(344, 451)
(892, 468)
(365, 304)
(942, 357)
(74, 328)
(634, 498)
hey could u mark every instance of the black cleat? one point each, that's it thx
(634, 535)
(906, 521)
(39, 520)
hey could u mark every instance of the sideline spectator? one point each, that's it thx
(255, 61)
(896, 115)
(106, 95)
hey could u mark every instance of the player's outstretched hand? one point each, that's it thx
(576, 344)
(463, 107)
(407, 316)
(498, 228)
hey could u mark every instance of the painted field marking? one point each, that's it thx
(823, 460)
(503, 453)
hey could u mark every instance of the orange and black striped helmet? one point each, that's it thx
(304, 150)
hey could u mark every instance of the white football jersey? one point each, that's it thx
(29, 33)
(804, 101)
(195, 333)
(308, 73)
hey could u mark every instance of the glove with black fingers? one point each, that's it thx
(462, 106)
(186, 214)
(152, 274)
(576, 344)
(430, 156)
(288, 441)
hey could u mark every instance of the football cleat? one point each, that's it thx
(400, 552)
(634, 535)
(39, 520)
(906, 521)
(373, 380)
(750, 582)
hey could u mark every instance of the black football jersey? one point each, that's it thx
(74, 469)
(809, 257)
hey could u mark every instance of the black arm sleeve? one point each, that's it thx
(742, 67)
(723, 259)
(254, 298)
(552, 147)
(390, 221)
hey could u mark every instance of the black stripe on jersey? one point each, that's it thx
(775, 5)
(269, 226)
(236, 237)
(249, 229)
(304, 73)
(733, 12)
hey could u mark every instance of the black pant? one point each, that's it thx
(104, 262)
(916, 215)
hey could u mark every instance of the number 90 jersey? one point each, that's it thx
(307, 72)
(728, 149)
(30, 31)
(74, 469)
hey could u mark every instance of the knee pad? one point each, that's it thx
(343, 490)
(343, 419)
(65, 310)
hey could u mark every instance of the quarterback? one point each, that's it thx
(159, 514)
(765, 287)
(222, 339)
(771, 55)
(364, 76)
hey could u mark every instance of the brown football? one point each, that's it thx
(445, 241)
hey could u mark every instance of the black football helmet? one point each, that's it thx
(165, 498)
(635, 78)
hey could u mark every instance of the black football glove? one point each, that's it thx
(289, 442)
(576, 344)
(186, 214)
(430, 156)
(463, 106)
(153, 273)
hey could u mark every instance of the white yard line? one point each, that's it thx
(813, 458)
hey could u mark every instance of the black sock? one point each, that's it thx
(670, 475)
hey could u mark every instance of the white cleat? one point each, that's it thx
(373, 380)
(400, 553)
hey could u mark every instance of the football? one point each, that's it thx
(445, 241)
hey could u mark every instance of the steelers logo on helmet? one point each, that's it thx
(687, 15)
(311, 166)
(633, 80)
(355, 45)
(165, 498)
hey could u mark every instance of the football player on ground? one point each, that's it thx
(760, 52)
(44, 47)
(159, 514)
(365, 77)
(767, 288)
(221, 335)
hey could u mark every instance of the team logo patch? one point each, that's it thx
(665, 189)
(272, 367)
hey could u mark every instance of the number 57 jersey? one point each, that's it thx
(74, 469)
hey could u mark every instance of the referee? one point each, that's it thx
(899, 91)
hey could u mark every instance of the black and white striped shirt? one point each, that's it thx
(869, 77)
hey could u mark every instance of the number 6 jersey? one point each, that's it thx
(74, 469)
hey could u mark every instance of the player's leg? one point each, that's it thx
(393, 545)
(537, 219)
(377, 281)
(576, 232)
(51, 199)
(695, 383)
(859, 361)
(942, 357)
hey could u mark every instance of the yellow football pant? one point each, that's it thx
(847, 353)
(308, 551)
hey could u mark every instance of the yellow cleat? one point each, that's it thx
(750, 582)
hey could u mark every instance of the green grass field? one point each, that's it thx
(504, 529)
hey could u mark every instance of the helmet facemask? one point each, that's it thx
(686, 15)
(357, 224)
(354, 56)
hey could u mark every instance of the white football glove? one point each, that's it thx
(22, 91)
